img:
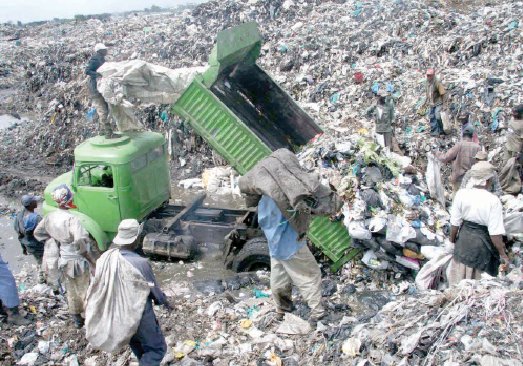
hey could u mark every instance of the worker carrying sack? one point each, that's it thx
(115, 302)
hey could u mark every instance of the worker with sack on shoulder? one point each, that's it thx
(477, 229)
(125, 284)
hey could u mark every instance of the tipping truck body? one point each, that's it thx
(244, 115)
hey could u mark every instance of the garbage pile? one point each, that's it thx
(372, 319)
(332, 70)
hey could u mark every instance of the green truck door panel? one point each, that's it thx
(98, 202)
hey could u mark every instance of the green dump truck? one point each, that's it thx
(244, 115)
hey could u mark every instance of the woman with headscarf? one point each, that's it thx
(75, 249)
(477, 229)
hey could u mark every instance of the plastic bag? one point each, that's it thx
(357, 230)
(431, 274)
(445, 120)
(373, 262)
(433, 176)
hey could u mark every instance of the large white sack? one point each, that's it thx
(115, 302)
(138, 79)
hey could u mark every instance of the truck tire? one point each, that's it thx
(253, 256)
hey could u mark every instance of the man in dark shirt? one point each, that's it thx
(148, 344)
(97, 60)
(24, 224)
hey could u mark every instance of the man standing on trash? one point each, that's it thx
(436, 101)
(291, 262)
(477, 229)
(75, 249)
(97, 60)
(462, 158)
(148, 343)
(383, 112)
(495, 187)
(514, 135)
(9, 296)
(24, 224)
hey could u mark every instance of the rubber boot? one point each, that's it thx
(78, 320)
(14, 317)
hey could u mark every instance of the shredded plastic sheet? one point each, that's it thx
(122, 82)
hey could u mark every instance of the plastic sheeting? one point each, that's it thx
(123, 82)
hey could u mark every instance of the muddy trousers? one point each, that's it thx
(303, 271)
(76, 292)
(148, 343)
(103, 113)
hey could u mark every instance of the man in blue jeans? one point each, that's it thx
(436, 100)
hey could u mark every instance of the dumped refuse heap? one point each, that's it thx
(372, 320)
(331, 70)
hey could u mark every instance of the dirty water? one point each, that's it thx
(7, 120)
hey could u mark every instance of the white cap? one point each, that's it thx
(99, 46)
(128, 231)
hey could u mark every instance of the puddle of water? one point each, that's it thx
(7, 120)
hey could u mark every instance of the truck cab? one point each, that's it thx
(115, 179)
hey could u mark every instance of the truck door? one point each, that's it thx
(97, 196)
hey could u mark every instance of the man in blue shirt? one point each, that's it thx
(24, 224)
(291, 262)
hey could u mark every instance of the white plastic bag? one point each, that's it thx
(358, 230)
(433, 177)
(445, 120)
(428, 275)
(372, 261)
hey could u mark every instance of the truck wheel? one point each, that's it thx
(253, 256)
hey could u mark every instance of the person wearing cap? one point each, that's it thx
(76, 257)
(477, 229)
(464, 119)
(462, 158)
(97, 60)
(495, 187)
(24, 224)
(383, 112)
(9, 296)
(514, 135)
(148, 343)
(436, 101)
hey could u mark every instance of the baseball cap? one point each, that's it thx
(28, 199)
(469, 130)
(430, 72)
